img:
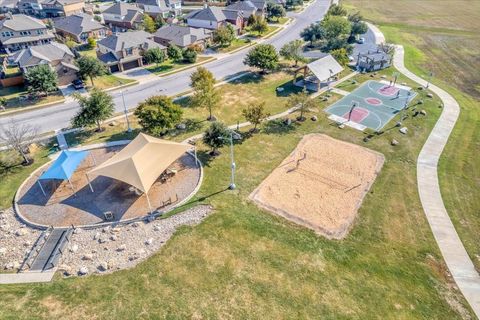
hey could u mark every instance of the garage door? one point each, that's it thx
(114, 68)
(130, 65)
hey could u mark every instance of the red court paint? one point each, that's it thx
(388, 91)
(357, 115)
(373, 101)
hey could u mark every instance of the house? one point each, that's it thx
(164, 8)
(318, 72)
(373, 60)
(248, 8)
(214, 17)
(31, 7)
(58, 56)
(183, 36)
(19, 31)
(122, 16)
(62, 8)
(79, 27)
(8, 6)
(124, 51)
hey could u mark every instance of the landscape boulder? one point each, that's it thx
(403, 130)
(83, 271)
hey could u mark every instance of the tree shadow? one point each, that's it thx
(288, 88)
(279, 127)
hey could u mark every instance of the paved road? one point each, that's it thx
(57, 117)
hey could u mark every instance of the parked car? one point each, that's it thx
(78, 84)
(361, 40)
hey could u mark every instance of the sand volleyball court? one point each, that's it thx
(321, 184)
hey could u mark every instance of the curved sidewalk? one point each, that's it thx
(451, 247)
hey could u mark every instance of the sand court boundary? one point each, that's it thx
(321, 184)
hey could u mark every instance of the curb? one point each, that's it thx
(185, 68)
(30, 108)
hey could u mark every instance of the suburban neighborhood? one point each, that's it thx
(240, 159)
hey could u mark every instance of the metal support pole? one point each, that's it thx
(126, 113)
(89, 183)
(41, 188)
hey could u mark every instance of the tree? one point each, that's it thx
(275, 11)
(224, 35)
(90, 67)
(154, 55)
(263, 56)
(157, 114)
(335, 27)
(91, 43)
(355, 17)
(294, 3)
(215, 136)
(18, 137)
(94, 109)
(3, 103)
(255, 114)
(302, 102)
(204, 93)
(341, 55)
(159, 21)
(190, 55)
(356, 29)
(148, 24)
(313, 33)
(41, 79)
(337, 10)
(293, 51)
(174, 53)
(260, 25)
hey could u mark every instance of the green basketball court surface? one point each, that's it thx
(372, 105)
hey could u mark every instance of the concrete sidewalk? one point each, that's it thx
(26, 277)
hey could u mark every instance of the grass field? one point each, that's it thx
(13, 94)
(242, 262)
(169, 66)
(108, 81)
(442, 37)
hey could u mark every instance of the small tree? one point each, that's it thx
(41, 79)
(275, 11)
(255, 114)
(341, 55)
(174, 53)
(355, 17)
(91, 42)
(19, 137)
(302, 102)
(263, 56)
(204, 93)
(159, 21)
(94, 109)
(157, 114)
(293, 51)
(148, 24)
(336, 27)
(3, 103)
(154, 55)
(313, 33)
(90, 67)
(224, 35)
(337, 10)
(260, 26)
(216, 136)
(190, 55)
(356, 29)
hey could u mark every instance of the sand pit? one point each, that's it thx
(321, 184)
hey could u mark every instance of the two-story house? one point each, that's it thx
(124, 51)
(31, 7)
(58, 56)
(215, 17)
(164, 8)
(183, 36)
(8, 6)
(19, 31)
(123, 16)
(79, 27)
(62, 8)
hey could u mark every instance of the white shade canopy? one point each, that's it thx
(142, 161)
(325, 68)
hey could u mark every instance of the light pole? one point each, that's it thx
(126, 113)
(430, 75)
(233, 166)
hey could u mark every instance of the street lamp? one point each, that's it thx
(430, 75)
(126, 113)
(233, 166)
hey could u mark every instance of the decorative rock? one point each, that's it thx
(77, 231)
(150, 218)
(113, 238)
(140, 252)
(394, 142)
(135, 224)
(341, 126)
(287, 121)
(21, 232)
(106, 229)
(156, 228)
(3, 251)
(383, 77)
(74, 248)
(429, 95)
(314, 118)
(112, 124)
(181, 126)
(67, 270)
(87, 257)
(403, 130)
(103, 266)
(122, 248)
(16, 265)
(96, 236)
(149, 241)
(83, 271)
(102, 240)
(423, 112)
(403, 83)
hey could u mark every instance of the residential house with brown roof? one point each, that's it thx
(79, 27)
(62, 8)
(214, 17)
(123, 16)
(164, 8)
(183, 36)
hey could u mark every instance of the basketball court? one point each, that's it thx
(372, 105)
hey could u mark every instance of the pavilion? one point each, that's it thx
(316, 72)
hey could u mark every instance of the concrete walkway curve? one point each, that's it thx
(456, 257)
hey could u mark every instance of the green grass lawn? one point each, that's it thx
(108, 81)
(89, 53)
(16, 97)
(169, 65)
(236, 43)
(255, 35)
(443, 38)
(243, 262)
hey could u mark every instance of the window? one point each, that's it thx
(7, 34)
(39, 31)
